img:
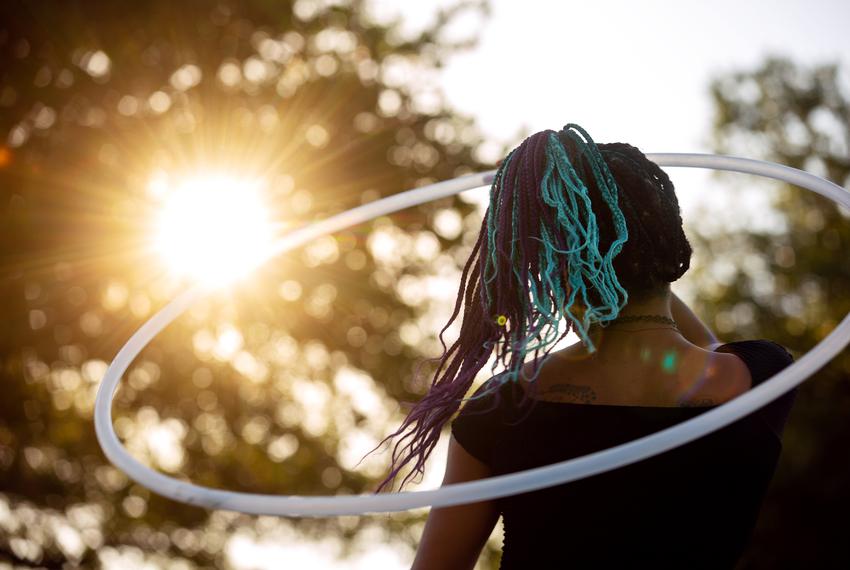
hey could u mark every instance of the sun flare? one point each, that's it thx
(213, 228)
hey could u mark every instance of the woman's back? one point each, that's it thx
(657, 368)
(692, 507)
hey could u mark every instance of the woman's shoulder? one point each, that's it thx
(487, 396)
(761, 357)
(478, 421)
(737, 366)
(760, 349)
(713, 377)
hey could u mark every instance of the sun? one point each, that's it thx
(213, 228)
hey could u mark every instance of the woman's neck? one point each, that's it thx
(657, 305)
(618, 339)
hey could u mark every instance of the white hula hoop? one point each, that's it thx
(493, 487)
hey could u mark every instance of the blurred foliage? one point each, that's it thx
(281, 384)
(789, 284)
(278, 385)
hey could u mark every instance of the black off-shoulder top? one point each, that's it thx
(691, 507)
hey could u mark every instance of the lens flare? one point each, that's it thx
(213, 229)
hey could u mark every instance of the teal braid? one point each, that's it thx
(524, 287)
(586, 265)
(608, 186)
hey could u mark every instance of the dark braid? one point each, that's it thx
(657, 251)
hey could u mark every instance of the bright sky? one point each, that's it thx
(635, 72)
(632, 71)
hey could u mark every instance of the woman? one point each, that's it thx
(588, 238)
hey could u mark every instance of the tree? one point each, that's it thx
(262, 389)
(789, 284)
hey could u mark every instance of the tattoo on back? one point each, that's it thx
(698, 403)
(571, 393)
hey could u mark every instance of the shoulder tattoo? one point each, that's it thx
(698, 403)
(571, 393)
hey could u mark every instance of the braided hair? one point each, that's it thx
(572, 230)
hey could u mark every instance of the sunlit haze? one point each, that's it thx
(213, 228)
(165, 147)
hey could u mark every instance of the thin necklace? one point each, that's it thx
(633, 318)
(639, 330)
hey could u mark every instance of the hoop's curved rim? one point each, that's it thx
(493, 487)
